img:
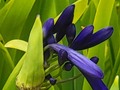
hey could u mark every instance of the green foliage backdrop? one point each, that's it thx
(16, 21)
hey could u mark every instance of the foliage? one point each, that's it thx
(18, 42)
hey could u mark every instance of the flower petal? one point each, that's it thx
(81, 62)
(63, 21)
(96, 83)
(82, 38)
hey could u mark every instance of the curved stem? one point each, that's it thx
(69, 79)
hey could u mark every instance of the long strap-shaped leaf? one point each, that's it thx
(10, 83)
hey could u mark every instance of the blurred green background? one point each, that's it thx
(16, 21)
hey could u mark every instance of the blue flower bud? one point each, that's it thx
(49, 40)
(70, 33)
(94, 59)
(62, 56)
(68, 66)
(48, 27)
(99, 37)
(63, 22)
(82, 38)
(52, 80)
(86, 39)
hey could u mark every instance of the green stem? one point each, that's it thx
(69, 79)
(51, 68)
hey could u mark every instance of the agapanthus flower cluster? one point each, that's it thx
(67, 55)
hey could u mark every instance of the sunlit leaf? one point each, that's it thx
(112, 48)
(11, 82)
(13, 16)
(48, 10)
(80, 7)
(17, 44)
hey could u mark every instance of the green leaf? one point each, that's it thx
(96, 2)
(115, 69)
(88, 17)
(24, 35)
(80, 7)
(6, 64)
(78, 83)
(17, 44)
(13, 16)
(112, 48)
(30, 20)
(11, 81)
(67, 85)
(32, 72)
(115, 84)
(60, 6)
(12, 19)
(6, 56)
(48, 10)
(104, 9)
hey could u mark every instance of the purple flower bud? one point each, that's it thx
(70, 33)
(99, 37)
(94, 59)
(48, 27)
(49, 40)
(68, 66)
(46, 54)
(82, 38)
(63, 22)
(62, 56)
(52, 80)
(86, 39)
